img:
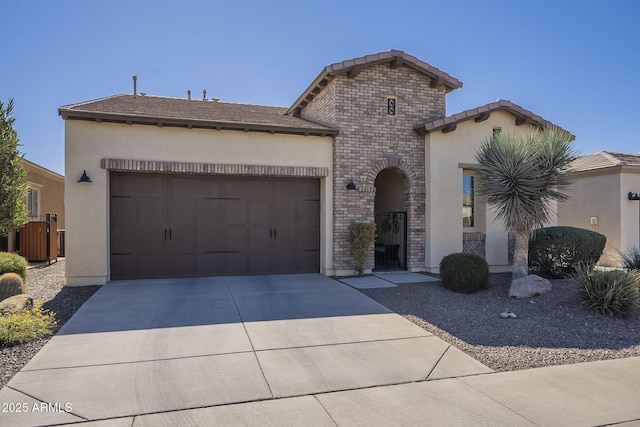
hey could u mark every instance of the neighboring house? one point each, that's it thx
(601, 200)
(45, 194)
(184, 187)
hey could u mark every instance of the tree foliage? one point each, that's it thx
(520, 175)
(13, 212)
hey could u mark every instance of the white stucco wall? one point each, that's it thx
(595, 194)
(87, 205)
(446, 155)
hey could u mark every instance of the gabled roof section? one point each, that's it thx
(604, 159)
(352, 68)
(211, 114)
(480, 114)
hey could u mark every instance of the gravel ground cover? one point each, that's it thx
(45, 283)
(550, 329)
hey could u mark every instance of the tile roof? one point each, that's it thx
(482, 113)
(604, 159)
(352, 67)
(144, 109)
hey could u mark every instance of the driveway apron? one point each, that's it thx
(151, 346)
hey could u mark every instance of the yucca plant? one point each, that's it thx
(519, 175)
(630, 259)
(614, 292)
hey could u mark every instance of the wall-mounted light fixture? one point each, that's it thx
(634, 196)
(351, 185)
(84, 177)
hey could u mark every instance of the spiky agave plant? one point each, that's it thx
(520, 175)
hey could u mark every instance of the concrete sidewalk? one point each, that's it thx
(287, 350)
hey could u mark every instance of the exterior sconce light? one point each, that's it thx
(84, 178)
(351, 185)
(634, 196)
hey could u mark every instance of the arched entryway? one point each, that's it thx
(391, 220)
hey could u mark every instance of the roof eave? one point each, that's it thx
(352, 67)
(70, 114)
(482, 113)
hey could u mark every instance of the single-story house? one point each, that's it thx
(604, 197)
(45, 194)
(196, 187)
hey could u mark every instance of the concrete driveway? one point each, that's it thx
(160, 352)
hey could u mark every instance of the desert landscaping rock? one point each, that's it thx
(529, 286)
(45, 283)
(16, 304)
(552, 329)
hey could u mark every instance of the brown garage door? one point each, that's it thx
(188, 225)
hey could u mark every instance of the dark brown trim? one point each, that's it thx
(100, 117)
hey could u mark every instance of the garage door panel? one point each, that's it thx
(247, 188)
(309, 260)
(193, 186)
(124, 265)
(124, 212)
(181, 264)
(296, 189)
(284, 238)
(181, 213)
(209, 239)
(307, 238)
(148, 186)
(150, 212)
(284, 262)
(258, 239)
(181, 240)
(282, 212)
(233, 263)
(208, 264)
(151, 265)
(124, 240)
(235, 213)
(258, 263)
(257, 213)
(308, 213)
(207, 212)
(235, 239)
(150, 240)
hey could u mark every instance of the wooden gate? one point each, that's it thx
(38, 240)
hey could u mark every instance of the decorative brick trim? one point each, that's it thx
(393, 162)
(152, 166)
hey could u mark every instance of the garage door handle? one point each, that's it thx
(271, 233)
(275, 233)
(120, 253)
(169, 234)
(165, 234)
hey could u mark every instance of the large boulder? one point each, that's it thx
(16, 304)
(529, 286)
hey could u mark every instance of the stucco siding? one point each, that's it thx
(595, 195)
(87, 143)
(447, 154)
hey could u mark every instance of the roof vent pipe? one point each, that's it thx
(189, 95)
(204, 95)
(135, 86)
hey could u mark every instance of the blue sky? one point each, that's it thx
(576, 63)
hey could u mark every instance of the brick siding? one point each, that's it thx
(370, 140)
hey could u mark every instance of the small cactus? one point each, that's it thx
(11, 284)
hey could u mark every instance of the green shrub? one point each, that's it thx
(13, 263)
(556, 251)
(361, 236)
(608, 292)
(11, 284)
(630, 259)
(465, 273)
(26, 326)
